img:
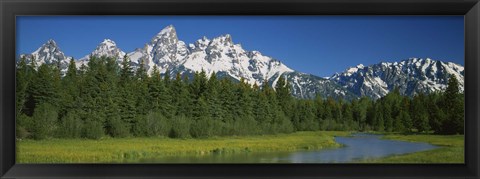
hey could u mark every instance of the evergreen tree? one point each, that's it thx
(126, 72)
(454, 108)
(405, 115)
(141, 73)
(284, 95)
(23, 78)
(320, 109)
(45, 87)
(379, 117)
(141, 90)
(181, 97)
(211, 104)
(420, 114)
(262, 109)
(159, 95)
(71, 91)
(126, 93)
(104, 99)
(371, 120)
(350, 114)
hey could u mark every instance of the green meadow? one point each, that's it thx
(132, 150)
(119, 150)
(451, 150)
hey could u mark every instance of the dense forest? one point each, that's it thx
(104, 99)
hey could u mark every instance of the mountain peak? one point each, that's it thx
(51, 42)
(225, 39)
(167, 29)
(166, 35)
(200, 44)
(48, 47)
(48, 53)
(426, 74)
(108, 42)
(106, 48)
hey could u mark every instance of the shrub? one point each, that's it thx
(203, 127)
(22, 133)
(117, 128)
(24, 126)
(45, 118)
(71, 126)
(140, 126)
(245, 126)
(284, 125)
(180, 127)
(93, 129)
(158, 124)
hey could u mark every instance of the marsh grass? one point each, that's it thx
(115, 150)
(451, 150)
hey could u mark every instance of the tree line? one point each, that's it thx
(104, 99)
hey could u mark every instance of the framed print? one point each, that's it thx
(257, 89)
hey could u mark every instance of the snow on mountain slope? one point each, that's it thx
(227, 59)
(107, 48)
(164, 50)
(411, 76)
(309, 86)
(48, 53)
(222, 55)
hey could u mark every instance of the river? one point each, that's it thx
(356, 147)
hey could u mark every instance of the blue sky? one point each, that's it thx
(320, 45)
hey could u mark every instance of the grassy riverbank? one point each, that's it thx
(133, 149)
(451, 150)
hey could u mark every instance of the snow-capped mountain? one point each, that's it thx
(164, 51)
(411, 76)
(222, 55)
(48, 53)
(219, 54)
(309, 86)
(227, 59)
(106, 48)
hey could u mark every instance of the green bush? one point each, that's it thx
(180, 127)
(153, 124)
(245, 126)
(283, 125)
(22, 133)
(117, 128)
(203, 127)
(24, 126)
(157, 124)
(93, 129)
(140, 126)
(71, 126)
(45, 118)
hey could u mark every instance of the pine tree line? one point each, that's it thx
(103, 99)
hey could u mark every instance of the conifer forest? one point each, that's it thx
(103, 99)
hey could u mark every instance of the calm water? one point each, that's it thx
(359, 146)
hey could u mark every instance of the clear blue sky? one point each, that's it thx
(320, 45)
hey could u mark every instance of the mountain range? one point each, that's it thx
(227, 59)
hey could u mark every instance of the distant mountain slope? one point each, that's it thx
(227, 59)
(411, 76)
(49, 53)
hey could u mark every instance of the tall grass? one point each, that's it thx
(113, 150)
(452, 150)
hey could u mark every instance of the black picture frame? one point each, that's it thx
(10, 9)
